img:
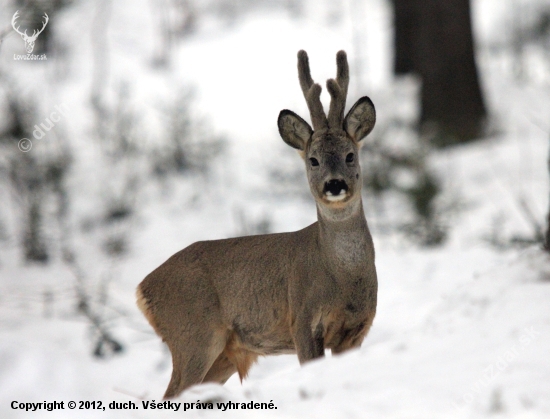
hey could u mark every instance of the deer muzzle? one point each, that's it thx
(335, 190)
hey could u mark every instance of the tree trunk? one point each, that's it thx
(433, 38)
(406, 21)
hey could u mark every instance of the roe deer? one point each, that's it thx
(220, 304)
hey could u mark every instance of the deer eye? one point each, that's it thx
(314, 161)
(350, 157)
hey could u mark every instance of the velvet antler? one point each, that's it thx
(338, 90)
(312, 93)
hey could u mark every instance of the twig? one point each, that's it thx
(537, 227)
(85, 308)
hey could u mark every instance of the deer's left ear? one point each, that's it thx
(360, 119)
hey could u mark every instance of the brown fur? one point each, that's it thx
(144, 308)
(221, 304)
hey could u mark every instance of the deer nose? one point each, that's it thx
(335, 187)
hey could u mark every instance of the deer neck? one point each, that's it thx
(344, 238)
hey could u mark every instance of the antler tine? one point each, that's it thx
(14, 18)
(312, 93)
(37, 32)
(338, 90)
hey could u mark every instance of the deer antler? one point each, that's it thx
(338, 90)
(312, 93)
(35, 32)
(15, 16)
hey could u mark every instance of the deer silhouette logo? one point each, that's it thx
(29, 40)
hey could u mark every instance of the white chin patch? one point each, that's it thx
(340, 197)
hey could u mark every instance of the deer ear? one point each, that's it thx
(294, 130)
(360, 119)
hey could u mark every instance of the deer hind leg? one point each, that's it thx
(192, 357)
(234, 358)
(221, 370)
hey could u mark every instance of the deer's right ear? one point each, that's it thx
(294, 130)
(360, 119)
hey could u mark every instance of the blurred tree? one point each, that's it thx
(547, 232)
(433, 38)
(26, 174)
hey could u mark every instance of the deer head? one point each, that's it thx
(329, 148)
(29, 40)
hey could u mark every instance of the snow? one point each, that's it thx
(461, 331)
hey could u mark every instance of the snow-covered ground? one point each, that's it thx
(461, 331)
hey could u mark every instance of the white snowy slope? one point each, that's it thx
(461, 331)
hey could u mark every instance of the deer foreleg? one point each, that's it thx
(310, 344)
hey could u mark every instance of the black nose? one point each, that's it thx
(334, 186)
